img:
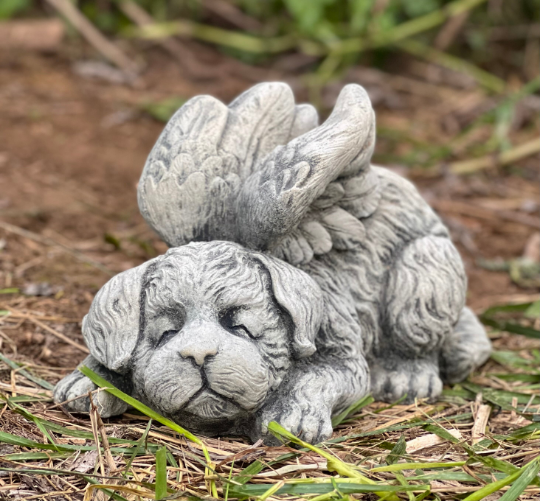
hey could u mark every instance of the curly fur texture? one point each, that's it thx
(311, 279)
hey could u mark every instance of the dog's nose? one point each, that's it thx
(198, 351)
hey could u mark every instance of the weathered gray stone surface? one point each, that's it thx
(300, 277)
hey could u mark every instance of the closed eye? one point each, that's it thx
(165, 337)
(229, 321)
(242, 329)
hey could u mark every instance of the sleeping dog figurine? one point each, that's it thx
(299, 277)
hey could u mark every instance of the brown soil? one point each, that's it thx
(72, 150)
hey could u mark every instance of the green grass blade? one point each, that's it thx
(271, 491)
(334, 464)
(37, 421)
(247, 473)
(138, 447)
(161, 473)
(489, 318)
(36, 456)
(496, 464)
(416, 466)
(507, 308)
(513, 360)
(422, 496)
(26, 374)
(499, 484)
(522, 378)
(528, 475)
(512, 328)
(503, 398)
(456, 475)
(228, 484)
(8, 438)
(325, 497)
(398, 450)
(27, 399)
(352, 409)
(109, 387)
(112, 495)
(56, 428)
(490, 462)
(533, 311)
(441, 432)
(211, 34)
(395, 454)
(253, 490)
(526, 432)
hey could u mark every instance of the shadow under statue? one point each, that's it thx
(300, 277)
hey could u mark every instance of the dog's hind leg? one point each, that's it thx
(465, 349)
(425, 293)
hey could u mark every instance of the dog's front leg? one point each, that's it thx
(315, 390)
(73, 390)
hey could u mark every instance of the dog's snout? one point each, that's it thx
(200, 340)
(198, 351)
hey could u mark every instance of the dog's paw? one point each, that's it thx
(310, 422)
(73, 390)
(416, 379)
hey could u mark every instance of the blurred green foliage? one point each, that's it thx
(10, 8)
(339, 33)
(320, 19)
(163, 109)
(331, 23)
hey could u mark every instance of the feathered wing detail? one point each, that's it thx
(305, 119)
(258, 121)
(186, 184)
(195, 170)
(308, 196)
(261, 172)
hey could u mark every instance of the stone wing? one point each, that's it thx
(261, 172)
(309, 196)
(195, 171)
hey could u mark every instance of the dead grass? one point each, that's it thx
(71, 151)
(477, 433)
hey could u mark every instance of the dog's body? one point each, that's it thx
(225, 338)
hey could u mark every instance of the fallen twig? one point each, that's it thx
(498, 159)
(56, 319)
(94, 37)
(212, 34)
(450, 30)
(141, 18)
(31, 392)
(480, 423)
(426, 441)
(484, 78)
(233, 14)
(274, 45)
(59, 335)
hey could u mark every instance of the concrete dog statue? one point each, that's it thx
(300, 277)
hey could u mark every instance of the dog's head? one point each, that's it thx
(206, 331)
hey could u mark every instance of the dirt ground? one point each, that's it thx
(72, 150)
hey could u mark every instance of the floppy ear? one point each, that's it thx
(111, 328)
(301, 297)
